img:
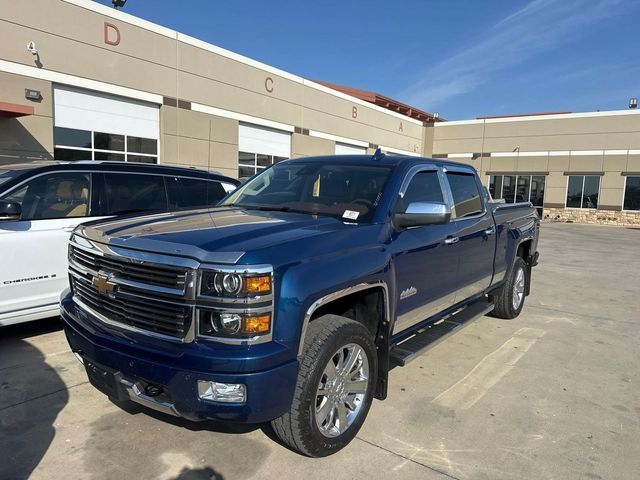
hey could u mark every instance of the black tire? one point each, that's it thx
(298, 428)
(504, 297)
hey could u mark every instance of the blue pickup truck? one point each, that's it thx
(291, 301)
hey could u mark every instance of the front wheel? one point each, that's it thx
(334, 387)
(509, 300)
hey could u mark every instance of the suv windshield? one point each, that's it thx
(337, 189)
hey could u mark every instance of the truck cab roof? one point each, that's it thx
(387, 160)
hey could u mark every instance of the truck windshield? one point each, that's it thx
(6, 175)
(351, 192)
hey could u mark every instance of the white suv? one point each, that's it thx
(41, 203)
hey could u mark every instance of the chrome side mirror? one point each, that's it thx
(419, 214)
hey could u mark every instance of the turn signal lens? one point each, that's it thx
(258, 284)
(260, 324)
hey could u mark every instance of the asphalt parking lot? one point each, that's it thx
(554, 394)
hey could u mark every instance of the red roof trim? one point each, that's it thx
(383, 101)
(522, 115)
(10, 110)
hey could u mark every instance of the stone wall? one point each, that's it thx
(592, 216)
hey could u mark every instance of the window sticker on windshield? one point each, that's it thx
(350, 214)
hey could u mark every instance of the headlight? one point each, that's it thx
(233, 325)
(229, 284)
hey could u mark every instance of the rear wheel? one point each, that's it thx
(509, 300)
(334, 388)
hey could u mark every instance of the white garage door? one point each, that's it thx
(259, 147)
(346, 149)
(96, 126)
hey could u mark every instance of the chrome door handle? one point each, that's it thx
(451, 240)
(490, 231)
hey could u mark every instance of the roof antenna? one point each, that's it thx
(378, 155)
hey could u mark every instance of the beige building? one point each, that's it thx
(79, 80)
(583, 167)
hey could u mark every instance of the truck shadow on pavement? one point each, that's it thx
(27, 412)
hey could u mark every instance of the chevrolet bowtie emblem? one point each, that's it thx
(103, 283)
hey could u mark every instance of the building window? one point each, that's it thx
(72, 145)
(251, 163)
(518, 188)
(632, 194)
(582, 191)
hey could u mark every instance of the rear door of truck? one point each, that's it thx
(474, 233)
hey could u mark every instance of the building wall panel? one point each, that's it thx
(633, 163)
(304, 145)
(586, 163)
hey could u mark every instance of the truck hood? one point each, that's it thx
(221, 235)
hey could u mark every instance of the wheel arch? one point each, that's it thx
(335, 302)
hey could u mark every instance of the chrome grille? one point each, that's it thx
(140, 291)
(127, 307)
(163, 276)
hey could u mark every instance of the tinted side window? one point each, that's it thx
(216, 192)
(466, 195)
(129, 193)
(192, 192)
(199, 193)
(424, 187)
(59, 195)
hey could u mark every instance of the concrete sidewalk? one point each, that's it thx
(552, 394)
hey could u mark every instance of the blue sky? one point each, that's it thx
(460, 58)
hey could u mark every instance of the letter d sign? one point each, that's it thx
(111, 34)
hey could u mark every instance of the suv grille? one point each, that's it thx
(150, 274)
(145, 296)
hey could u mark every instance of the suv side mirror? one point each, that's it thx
(419, 214)
(9, 211)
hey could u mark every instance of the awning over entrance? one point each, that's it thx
(11, 110)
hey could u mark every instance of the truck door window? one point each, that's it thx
(424, 187)
(130, 193)
(467, 199)
(59, 195)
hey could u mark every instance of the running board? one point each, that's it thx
(431, 335)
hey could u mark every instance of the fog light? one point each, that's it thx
(222, 392)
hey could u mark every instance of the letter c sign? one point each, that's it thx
(268, 84)
(111, 34)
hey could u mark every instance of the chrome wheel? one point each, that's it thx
(518, 289)
(342, 389)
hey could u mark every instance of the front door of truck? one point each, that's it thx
(34, 248)
(474, 234)
(426, 264)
